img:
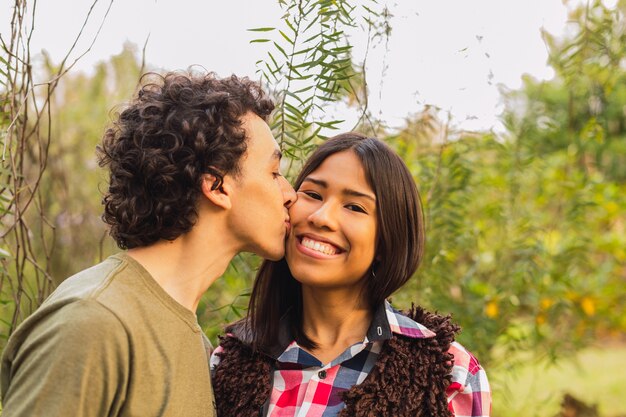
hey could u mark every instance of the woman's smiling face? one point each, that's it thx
(333, 237)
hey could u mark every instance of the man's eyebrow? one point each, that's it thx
(277, 154)
(345, 191)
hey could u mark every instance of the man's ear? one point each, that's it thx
(218, 190)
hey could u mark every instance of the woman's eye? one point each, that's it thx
(276, 174)
(356, 208)
(312, 194)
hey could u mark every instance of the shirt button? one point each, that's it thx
(322, 374)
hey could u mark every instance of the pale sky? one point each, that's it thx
(450, 53)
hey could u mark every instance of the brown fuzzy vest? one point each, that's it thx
(409, 378)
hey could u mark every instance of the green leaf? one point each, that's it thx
(302, 90)
(293, 109)
(273, 60)
(303, 51)
(286, 37)
(317, 35)
(329, 125)
(340, 49)
(266, 29)
(294, 96)
(280, 48)
(291, 27)
(272, 72)
(310, 25)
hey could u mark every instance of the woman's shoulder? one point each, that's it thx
(464, 359)
(439, 326)
(237, 335)
(465, 363)
(469, 393)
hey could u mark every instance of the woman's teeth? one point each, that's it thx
(318, 246)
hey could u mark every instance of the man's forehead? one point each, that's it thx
(259, 138)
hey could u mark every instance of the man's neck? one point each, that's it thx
(187, 266)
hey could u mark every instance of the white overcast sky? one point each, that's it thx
(449, 53)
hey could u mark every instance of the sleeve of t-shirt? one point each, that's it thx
(72, 362)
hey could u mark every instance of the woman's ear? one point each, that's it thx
(217, 190)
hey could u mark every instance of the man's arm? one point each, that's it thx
(74, 361)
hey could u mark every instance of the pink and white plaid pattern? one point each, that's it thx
(468, 394)
(303, 386)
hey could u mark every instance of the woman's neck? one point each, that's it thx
(334, 320)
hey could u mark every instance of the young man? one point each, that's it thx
(194, 180)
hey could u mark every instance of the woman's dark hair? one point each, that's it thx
(399, 246)
(179, 127)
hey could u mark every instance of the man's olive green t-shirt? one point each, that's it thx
(108, 342)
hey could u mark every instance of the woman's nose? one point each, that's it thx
(324, 217)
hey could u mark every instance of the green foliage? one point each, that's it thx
(64, 219)
(521, 248)
(309, 66)
(525, 233)
(5, 120)
(583, 106)
(72, 184)
(22, 148)
(227, 299)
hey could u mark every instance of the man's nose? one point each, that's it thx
(289, 194)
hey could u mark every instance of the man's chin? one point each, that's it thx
(275, 256)
(272, 251)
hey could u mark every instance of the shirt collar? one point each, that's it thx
(397, 323)
(386, 322)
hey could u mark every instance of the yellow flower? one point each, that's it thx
(540, 319)
(546, 303)
(588, 306)
(491, 309)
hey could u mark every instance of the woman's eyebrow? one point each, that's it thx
(315, 181)
(345, 191)
(354, 193)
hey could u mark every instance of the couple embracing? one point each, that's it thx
(195, 179)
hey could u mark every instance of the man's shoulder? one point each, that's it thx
(69, 326)
(92, 282)
(77, 301)
(76, 337)
(80, 317)
(86, 283)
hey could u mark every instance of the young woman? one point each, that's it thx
(320, 338)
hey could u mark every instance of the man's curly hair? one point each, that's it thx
(178, 127)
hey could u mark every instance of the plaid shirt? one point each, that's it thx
(303, 386)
